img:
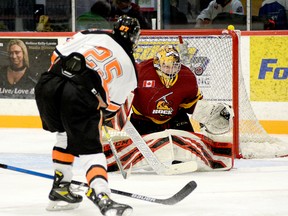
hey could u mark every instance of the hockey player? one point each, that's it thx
(166, 92)
(90, 76)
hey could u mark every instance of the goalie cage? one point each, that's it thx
(214, 57)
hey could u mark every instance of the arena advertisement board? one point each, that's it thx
(269, 69)
(21, 63)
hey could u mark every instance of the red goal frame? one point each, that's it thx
(235, 67)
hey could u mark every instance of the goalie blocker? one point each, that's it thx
(174, 146)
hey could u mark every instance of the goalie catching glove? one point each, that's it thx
(216, 118)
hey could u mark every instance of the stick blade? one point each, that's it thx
(4, 166)
(180, 195)
(181, 168)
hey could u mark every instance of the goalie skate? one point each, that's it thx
(107, 206)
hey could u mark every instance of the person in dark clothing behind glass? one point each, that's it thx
(176, 16)
(274, 14)
(126, 7)
(96, 17)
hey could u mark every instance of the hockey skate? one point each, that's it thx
(61, 197)
(107, 206)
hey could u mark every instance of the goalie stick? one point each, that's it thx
(177, 197)
(156, 165)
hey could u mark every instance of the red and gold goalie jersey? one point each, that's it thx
(159, 103)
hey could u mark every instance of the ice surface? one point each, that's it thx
(251, 188)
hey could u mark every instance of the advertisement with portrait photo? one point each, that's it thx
(21, 63)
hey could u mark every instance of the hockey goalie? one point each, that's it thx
(166, 99)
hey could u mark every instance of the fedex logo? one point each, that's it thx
(279, 73)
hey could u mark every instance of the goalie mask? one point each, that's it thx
(129, 29)
(167, 64)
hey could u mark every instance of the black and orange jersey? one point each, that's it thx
(158, 103)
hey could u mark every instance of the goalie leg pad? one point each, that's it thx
(209, 154)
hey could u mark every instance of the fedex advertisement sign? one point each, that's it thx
(269, 69)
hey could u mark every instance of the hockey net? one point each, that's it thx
(214, 56)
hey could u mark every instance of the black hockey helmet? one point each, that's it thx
(128, 28)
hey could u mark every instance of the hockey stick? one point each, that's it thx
(177, 197)
(123, 172)
(151, 158)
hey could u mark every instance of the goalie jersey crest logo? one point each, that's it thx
(163, 106)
